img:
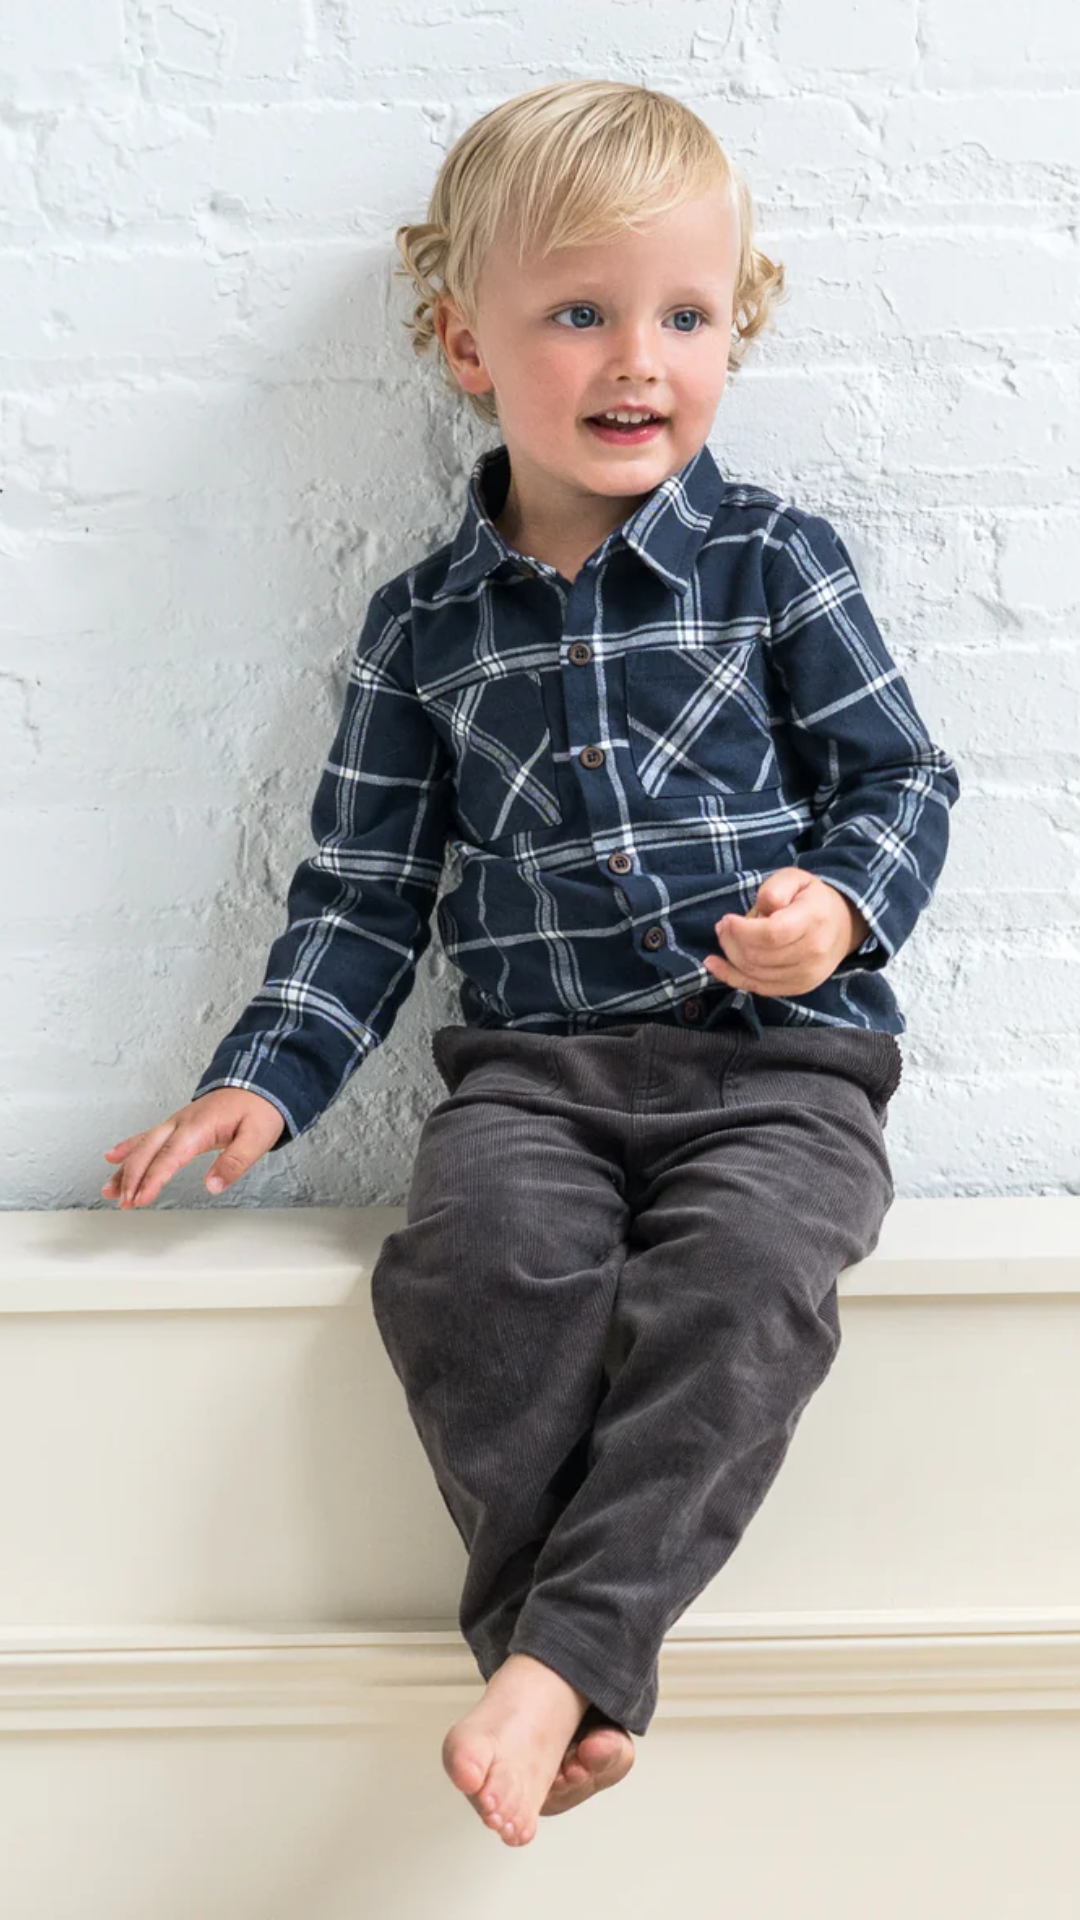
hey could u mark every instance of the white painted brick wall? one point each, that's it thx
(216, 444)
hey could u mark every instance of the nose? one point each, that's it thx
(637, 350)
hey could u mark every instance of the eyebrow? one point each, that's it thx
(588, 289)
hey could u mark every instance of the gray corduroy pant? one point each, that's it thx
(614, 1294)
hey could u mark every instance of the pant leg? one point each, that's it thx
(759, 1174)
(494, 1305)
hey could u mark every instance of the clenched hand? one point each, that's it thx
(794, 936)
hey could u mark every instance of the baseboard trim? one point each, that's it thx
(713, 1666)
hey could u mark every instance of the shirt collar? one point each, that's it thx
(666, 530)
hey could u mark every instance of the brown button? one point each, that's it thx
(619, 862)
(592, 756)
(654, 937)
(579, 653)
(692, 1009)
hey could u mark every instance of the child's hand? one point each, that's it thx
(794, 936)
(229, 1117)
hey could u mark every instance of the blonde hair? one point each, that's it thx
(578, 161)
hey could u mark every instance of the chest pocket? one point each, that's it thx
(698, 719)
(505, 772)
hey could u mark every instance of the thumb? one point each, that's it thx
(233, 1163)
(780, 889)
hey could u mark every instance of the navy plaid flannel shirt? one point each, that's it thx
(612, 764)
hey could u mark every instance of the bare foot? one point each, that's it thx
(601, 1758)
(505, 1753)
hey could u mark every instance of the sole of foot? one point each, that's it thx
(509, 1753)
(482, 1778)
(599, 1759)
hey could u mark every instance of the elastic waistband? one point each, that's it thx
(866, 1054)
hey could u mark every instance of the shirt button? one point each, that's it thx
(579, 653)
(619, 862)
(654, 937)
(692, 1009)
(592, 756)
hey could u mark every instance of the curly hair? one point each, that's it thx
(566, 164)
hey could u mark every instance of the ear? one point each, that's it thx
(461, 347)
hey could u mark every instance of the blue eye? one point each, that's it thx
(586, 306)
(583, 308)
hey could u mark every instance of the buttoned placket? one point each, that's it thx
(639, 894)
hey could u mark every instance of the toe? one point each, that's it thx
(605, 1750)
(502, 1789)
(604, 1757)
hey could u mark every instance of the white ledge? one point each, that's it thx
(712, 1666)
(99, 1260)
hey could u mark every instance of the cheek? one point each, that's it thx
(551, 367)
(548, 385)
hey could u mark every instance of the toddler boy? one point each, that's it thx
(692, 812)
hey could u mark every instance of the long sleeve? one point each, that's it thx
(882, 791)
(359, 907)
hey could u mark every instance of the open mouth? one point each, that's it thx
(632, 432)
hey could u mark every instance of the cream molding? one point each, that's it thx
(98, 1260)
(713, 1666)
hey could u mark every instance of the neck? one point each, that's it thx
(552, 536)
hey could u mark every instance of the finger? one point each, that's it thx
(776, 931)
(161, 1169)
(748, 949)
(730, 976)
(723, 971)
(230, 1165)
(121, 1146)
(188, 1139)
(752, 959)
(775, 971)
(794, 984)
(140, 1157)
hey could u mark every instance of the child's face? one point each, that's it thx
(589, 328)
